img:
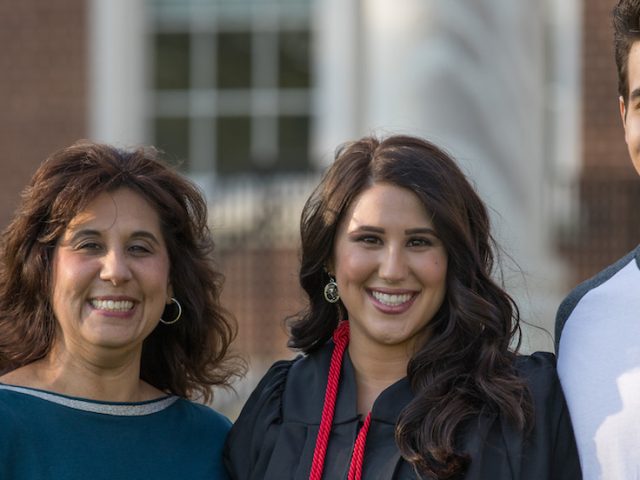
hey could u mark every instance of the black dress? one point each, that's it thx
(274, 437)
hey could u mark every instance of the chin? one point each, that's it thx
(392, 339)
(113, 340)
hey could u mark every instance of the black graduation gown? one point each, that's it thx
(275, 434)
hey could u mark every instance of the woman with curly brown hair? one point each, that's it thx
(109, 322)
(408, 370)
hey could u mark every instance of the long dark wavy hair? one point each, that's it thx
(467, 366)
(185, 358)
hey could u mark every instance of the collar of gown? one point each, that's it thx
(304, 392)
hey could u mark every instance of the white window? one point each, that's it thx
(231, 84)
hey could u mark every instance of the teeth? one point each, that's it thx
(391, 300)
(114, 305)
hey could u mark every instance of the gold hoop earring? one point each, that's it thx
(170, 322)
(331, 293)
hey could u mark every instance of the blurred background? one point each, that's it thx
(251, 97)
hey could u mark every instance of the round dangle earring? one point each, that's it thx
(178, 315)
(331, 293)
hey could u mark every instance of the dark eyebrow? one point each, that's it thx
(145, 234)
(83, 232)
(369, 228)
(87, 232)
(410, 231)
(414, 231)
(634, 94)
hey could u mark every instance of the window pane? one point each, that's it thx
(293, 143)
(234, 144)
(203, 46)
(234, 60)
(172, 61)
(172, 137)
(294, 59)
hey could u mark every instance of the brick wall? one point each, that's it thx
(42, 86)
(261, 289)
(602, 128)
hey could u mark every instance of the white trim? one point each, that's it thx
(105, 408)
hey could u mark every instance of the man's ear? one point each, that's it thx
(623, 111)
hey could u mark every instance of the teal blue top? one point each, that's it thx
(44, 435)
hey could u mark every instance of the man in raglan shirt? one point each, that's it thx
(598, 324)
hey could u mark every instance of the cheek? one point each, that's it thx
(158, 278)
(64, 277)
(354, 266)
(435, 271)
(632, 133)
(66, 297)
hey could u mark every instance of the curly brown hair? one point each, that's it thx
(467, 365)
(184, 359)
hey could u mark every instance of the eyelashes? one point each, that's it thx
(411, 242)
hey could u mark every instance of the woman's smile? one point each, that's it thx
(110, 305)
(392, 303)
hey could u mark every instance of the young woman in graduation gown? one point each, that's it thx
(408, 369)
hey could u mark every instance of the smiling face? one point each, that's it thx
(390, 267)
(110, 274)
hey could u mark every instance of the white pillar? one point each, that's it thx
(337, 75)
(118, 71)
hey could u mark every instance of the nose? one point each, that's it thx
(393, 265)
(115, 268)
